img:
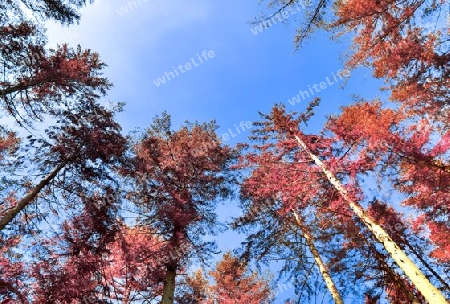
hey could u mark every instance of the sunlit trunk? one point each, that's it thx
(322, 267)
(400, 282)
(415, 275)
(169, 286)
(426, 264)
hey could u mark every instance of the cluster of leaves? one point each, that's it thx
(233, 284)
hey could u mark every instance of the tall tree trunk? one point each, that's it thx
(169, 286)
(426, 264)
(171, 267)
(415, 275)
(322, 267)
(392, 273)
(32, 194)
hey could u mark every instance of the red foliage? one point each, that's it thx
(233, 284)
(8, 143)
(99, 258)
(179, 177)
(74, 271)
(12, 273)
(392, 39)
(181, 174)
(37, 82)
(382, 141)
(134, 268)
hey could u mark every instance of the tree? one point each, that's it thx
(83, 143)
(74, 156)
(134, 270)
(9, 142)
(179, 175)
(284, 179)
(62, 85)
(403, 42)
(114, 262)
(195, 289)
(285, 124)
(414, 162)
(361, 258)
(279, 207)
(233, 284)
(37, 82)
(68, 265)
(406, 44)
(320, 264)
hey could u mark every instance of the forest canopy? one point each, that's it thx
(353, 206)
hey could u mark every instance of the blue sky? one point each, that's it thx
(248, 73)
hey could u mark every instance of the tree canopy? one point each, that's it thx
(356, 208)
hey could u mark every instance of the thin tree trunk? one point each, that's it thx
(430, 292)
(322, 267)
(32, 194)
(426, 264)
(169, 286)
(171, 268)
(392, 274)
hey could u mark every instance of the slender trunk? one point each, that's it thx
(392, 274)
(168, 292)
(426, 264)
(415, 275)
(169, 286)
(32, 194)
(322, 267)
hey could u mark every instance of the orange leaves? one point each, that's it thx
(391, 39)
(439, 236)
(366, 123)
(411, 151)
(67, 71)
(8, 143)
(355, 10)
(233, 284)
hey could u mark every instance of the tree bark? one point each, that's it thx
(426, 264)
(169, 286)
(415, 275)
(32, 194)
(392, 274)
(322, 267)
(171, 267)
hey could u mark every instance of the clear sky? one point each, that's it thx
(240, 73)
